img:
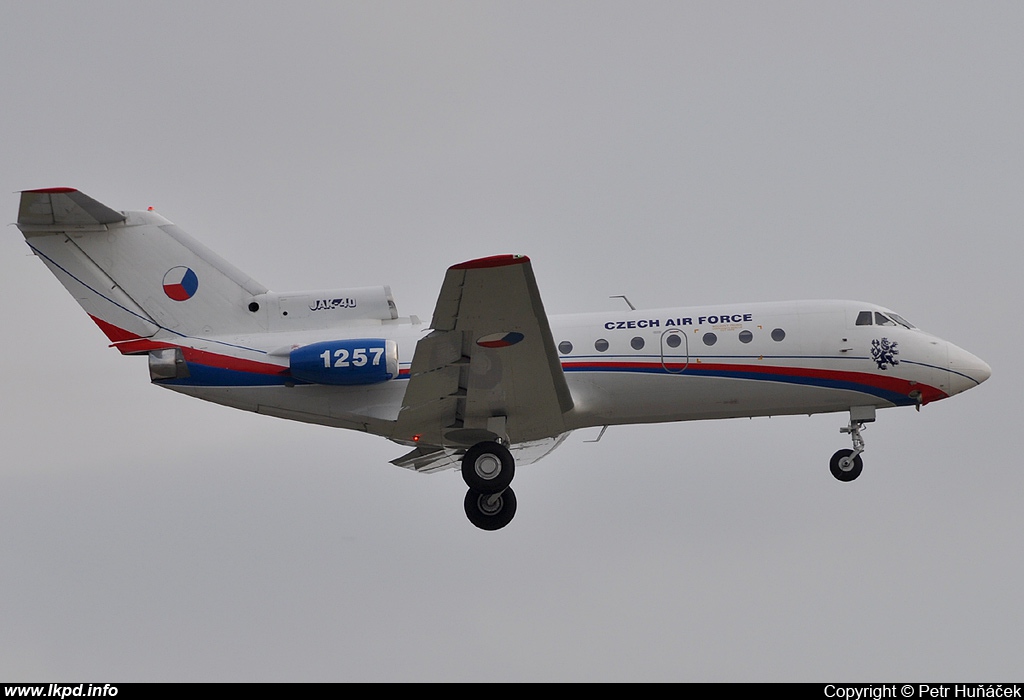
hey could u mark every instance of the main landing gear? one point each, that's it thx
(487, 469)
(846, 465)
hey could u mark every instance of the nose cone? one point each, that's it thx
(965, 370)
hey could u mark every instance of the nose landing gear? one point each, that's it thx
(846, 465)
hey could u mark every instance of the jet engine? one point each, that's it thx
(346, 362)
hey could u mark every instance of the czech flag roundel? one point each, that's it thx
(499, 340)
(180, 283)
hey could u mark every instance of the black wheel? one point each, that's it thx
(490, 511)
(488, 467)
(843, 468)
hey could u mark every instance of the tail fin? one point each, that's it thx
(135, 273)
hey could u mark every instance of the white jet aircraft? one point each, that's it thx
(492, 379)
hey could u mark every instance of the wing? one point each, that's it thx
(489, 368)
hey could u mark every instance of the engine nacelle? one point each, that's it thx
(294, 311)
(346, 362)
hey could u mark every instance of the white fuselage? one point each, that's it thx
(647, 366)
(492, 381)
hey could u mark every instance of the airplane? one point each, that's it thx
(491, 381)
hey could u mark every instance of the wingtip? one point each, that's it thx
(492, 261)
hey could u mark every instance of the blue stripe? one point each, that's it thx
(205, 375)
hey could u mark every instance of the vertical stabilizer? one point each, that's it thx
(135, 273)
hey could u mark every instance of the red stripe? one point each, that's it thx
(115, 334)
(131, 344)
(493, 261)
(212, 359)
(892, 384)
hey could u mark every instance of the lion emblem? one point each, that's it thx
(884, 353)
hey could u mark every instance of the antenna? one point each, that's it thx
(623, 297)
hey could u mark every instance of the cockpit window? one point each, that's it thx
(877, 318)
(902, 321)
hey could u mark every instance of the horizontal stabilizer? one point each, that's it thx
(63, 206)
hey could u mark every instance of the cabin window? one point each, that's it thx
(883, 320)
(565, 347)
(710, 338)
(600, 344)
(637, 343)
(673, 340)
(746, 336)
(864, 318)
(778, 335)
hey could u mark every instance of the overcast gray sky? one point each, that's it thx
(675, 152)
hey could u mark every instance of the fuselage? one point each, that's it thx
(756, 359)
(212, 332)
(492, 381)
(642, 366)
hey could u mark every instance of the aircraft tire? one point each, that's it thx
(488, 467)
(490, 516)
(848, 474)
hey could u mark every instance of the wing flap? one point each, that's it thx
(437, 350)
(427, 459)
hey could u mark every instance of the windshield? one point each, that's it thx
(902, 321)
(877, 318)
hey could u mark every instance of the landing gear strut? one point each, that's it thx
(487, 469)
(846, 465)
